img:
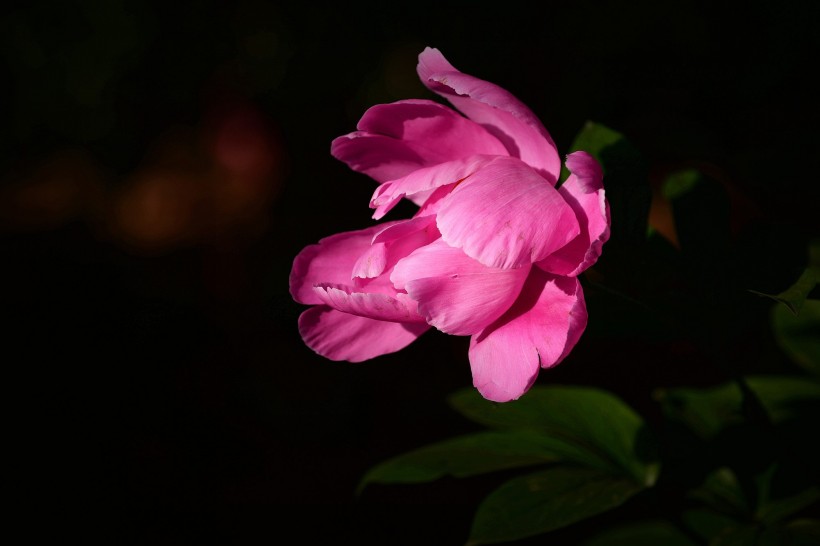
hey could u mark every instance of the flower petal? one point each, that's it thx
(424, 181)
(399, 231)
(539, 330)
(339, 336)
(584, 191)
(329, 261)
(396, 139)
(396, 307)
(433, 201)
(455, 293)
(496, 109)
(394, 243)
(372, 263)
(506, 215)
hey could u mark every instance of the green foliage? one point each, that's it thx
(469, 455)
(606, 433)
(709, 411)
(594, 138)
(547, 500)
(779, 510)
(599, 453)
(804, 532)
(704, 524)
(595, 453)
(680, 183)
(795, 296)
(799, 335)
(644, 533)
(722, 492)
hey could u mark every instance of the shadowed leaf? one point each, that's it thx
(545, 501)
(470, 455)
(708, 411)
(795, 296)
(799, 336)
(722, 492)
(804, 532)
(779, 510)
(613, 437)
(706, 523)
(644, 533)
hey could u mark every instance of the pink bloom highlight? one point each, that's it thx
(493, 251)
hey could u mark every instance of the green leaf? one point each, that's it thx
(720, 530)
(541, 502)
(795, 296)
(679, 183)
(644, 533)
(799, 336)
(804, 532)
(721, 491)
(609, 433)
(470, 455)
(779, 510)
(797, 533)
(709, 411)
(739, 534)
(706, 523)
(594, 138)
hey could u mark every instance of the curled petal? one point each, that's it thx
(394, 232)
(538, 331)
(339, 336)
(496, 109)
(331, 260)
(455, 293)
(394, 243)
(433, 202)
(584, 191)
(396, 139)
(396, 307)
(372, 263)
(506, 215)
(424, 181)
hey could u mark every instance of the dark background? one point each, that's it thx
(162, 164)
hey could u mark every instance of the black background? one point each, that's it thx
(161, 393)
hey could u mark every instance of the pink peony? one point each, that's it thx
(493, 252)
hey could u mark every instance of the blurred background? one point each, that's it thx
(162, 164)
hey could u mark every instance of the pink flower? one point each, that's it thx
(493, 252)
